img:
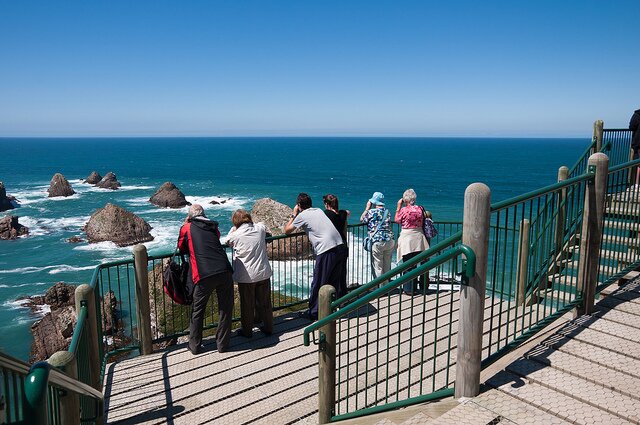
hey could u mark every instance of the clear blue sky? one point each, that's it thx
(418, 68)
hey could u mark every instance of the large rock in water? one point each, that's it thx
(169, 196)
(275, 215)
(94, 178)
(109, 181)
(11, 229)
(59, 186)
(6, 202)
(115, 224)
(54, 331)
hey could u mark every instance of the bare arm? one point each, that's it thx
(289, 227)
(367, 208)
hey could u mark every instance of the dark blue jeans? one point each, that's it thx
(415, 285)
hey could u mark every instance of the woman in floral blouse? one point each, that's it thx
(383, 242)
(412, 240)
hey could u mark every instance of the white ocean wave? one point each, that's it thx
(58, 268)
(225, 202)
(139, 201)
(135, 187)
(104, 247)
(15, 304)
(22, 285)
(45, 226)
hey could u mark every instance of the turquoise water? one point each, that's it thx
(239, 171)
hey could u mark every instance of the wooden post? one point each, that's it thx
(85, 295)
(326, 358)
(143, 309)
(69, 401)
(475, 234)
(591, 236)
(598, 129)
(563, 174)
(523, 260)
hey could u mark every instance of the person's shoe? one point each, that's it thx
(265, 331)
(307, 315)
(195, 351)
(241, 332)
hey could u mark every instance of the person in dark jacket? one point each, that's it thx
(634, 126)
(209, 269)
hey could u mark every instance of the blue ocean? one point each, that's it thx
(237, 171)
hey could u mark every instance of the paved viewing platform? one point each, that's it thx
(577, 371)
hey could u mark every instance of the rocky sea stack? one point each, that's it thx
(11, 229)
(6, 202)
(94, 178)
(59, 186)
(115, 224)
(54, 331)
(169, 196)
(109, 181)
(275, 215)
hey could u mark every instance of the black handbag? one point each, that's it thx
(175, 281)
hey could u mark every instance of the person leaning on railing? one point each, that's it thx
(412, 240)
(327, 244)
(339, 219)
(251, 271)
(375, 214)
(209, 269)
(634, 126)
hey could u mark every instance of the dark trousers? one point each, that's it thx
(255, 299)
(223, 284)
(417, 284)
(328, 270)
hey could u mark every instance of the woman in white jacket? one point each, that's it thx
(251, 271)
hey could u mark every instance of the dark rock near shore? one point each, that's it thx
(275, 215)
(59, 186)
(75, 239)
(7, 202)
(214, 202)
(94, 178)
(115, 224)
(11, 229)
(54, 331)
(169, 196)
(109, 181)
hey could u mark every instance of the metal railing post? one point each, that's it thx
(523, 260)
(591, 236)
(598, 129)
(35, 401)
(143, 309)
(475, 234)
(326, 357)
(69, 400)
(85, 296)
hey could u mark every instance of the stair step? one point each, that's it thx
(616, 224)
(573, 265)
(578, 331)
(587, 392)
(624, 210)
(515, 410)
(587, 370)
(618, 316)
(616, 360)
(622, 256)
(469, 412)
(552, 401)
(621, 240)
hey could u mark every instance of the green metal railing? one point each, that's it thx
(620, 247)
(393, 349)
(616, 144)
(33, 394)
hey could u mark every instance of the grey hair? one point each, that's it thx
(196, 210)
(409, 196)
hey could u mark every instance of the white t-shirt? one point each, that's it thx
(322, 233)
(250, 261)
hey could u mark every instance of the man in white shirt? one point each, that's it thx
(331, 252)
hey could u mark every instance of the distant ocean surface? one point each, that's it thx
(239, 171)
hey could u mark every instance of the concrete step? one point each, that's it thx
(470, 413)
(615, 360)
(579, 331)
(553, 402)
(586, 392)
(621, 209)
(514, 409)
(618, 224)
(587, 370)
(622, 241)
